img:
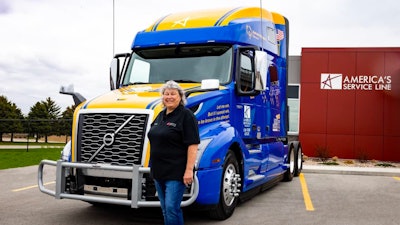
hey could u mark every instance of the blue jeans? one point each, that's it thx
(170, 193)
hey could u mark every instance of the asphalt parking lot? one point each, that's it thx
(316, 197)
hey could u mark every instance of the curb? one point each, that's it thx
(370, 171)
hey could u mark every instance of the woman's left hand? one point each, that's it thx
(188, 177)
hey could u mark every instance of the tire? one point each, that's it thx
(299, 159)
(289, 174)
(230, 189)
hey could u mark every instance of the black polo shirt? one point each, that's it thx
(170, 135)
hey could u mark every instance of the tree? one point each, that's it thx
(11, 118)
(66, 122)
(43, 117)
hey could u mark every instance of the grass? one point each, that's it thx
(13, 158)
(384, 165)
(330, 163)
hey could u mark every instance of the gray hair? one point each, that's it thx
(173, 85)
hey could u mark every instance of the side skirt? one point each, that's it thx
(253, 192)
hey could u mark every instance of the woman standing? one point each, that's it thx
(174, 139)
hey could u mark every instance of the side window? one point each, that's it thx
(141, 71)
(246, 72)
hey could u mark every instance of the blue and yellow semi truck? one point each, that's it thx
(233, 65)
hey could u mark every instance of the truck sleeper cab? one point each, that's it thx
(233, 67)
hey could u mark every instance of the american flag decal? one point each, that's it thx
(280, 35)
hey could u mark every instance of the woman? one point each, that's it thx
(174, 139)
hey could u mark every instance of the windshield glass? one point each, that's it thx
(180, 63)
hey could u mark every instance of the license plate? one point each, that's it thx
(109, 191)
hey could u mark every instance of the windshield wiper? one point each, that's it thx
(185, 81)
(133, 83)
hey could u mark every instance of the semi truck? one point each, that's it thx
(233, 65)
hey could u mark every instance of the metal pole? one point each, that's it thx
(262, 28)
(27, 139)
(113, 27)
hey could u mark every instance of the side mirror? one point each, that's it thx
(78, 98)
(261, 65)
(116, 70)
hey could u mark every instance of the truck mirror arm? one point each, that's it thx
(78, 98)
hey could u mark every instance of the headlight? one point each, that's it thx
(202, 146)
(66, 152)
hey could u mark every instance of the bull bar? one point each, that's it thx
(137, 174)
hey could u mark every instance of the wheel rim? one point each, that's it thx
(291, 163)
(230, 185)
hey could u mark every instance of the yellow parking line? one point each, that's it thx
(306, 195)
(30, 187)
(397, 178)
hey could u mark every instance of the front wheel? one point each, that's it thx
(230, 189)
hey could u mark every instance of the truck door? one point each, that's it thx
(251, 104)
(251, 111)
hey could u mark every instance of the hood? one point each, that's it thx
(133, 96)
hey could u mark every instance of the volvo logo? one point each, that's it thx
(108, 139)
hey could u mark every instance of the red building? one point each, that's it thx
(350, 102)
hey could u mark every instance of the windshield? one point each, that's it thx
(180, 63)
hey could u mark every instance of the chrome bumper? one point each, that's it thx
(136, 175)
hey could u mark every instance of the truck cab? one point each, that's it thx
(232, 64)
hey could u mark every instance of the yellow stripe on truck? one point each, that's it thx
(247, 13)
(197, 19)
(210, 18)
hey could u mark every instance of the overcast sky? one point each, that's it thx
(48, 43)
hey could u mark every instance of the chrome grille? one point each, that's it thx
(112, 138)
